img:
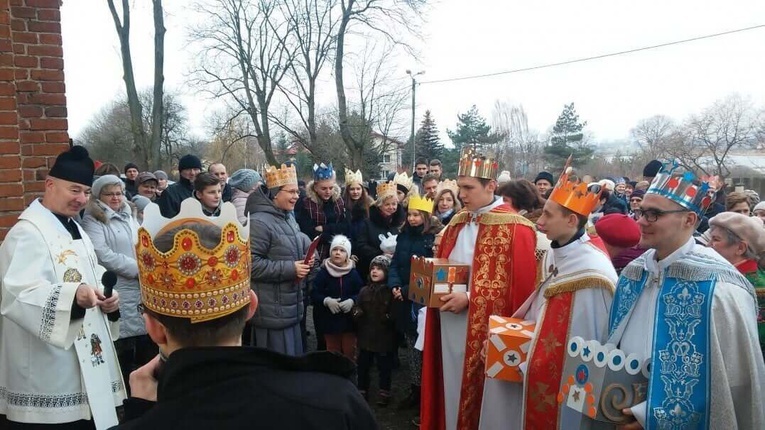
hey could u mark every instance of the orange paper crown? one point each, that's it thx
(190, 280)
(385, 190)
(286, 175)
(477, 165)
(421, 203)
(573, 196)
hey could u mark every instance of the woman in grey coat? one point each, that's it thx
(278, 274)
(111, 226)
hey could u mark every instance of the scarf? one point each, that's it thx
(443, 215)
(338, 271)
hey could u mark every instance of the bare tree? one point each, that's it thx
(150, 147)
(519, 149)
(653, 134)
(243, 56)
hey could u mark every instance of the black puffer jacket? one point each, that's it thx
(170, 200)
(368, 241)
(275, 245)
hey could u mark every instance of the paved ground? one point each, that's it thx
(389, 418)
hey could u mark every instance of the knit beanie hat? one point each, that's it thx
(160, 174)
(189, 161)
(129, 166)
(759, 206)
(652, 169)
(105, 181)
(637, 194)
(381, 261)
(342, 242)
(618, 230)
(75, 166)
(504, 177)
(245, 179)
(547, 176)
(140, 202)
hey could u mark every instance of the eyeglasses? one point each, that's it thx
(112, 194)
(294, 192)
(651, 215)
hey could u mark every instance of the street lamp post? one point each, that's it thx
(414, 88)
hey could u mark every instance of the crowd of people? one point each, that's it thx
(204, 286)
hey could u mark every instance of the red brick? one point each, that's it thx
(6, 45)
(53, 87)
(7, 103)
(24, 12)
(10, 147)
(5, 17)
(8, 118)
(5, 31)
(46, 50)
(47, 99)
(10, 162)
(50, 39)
(46, 4)
(33, 187)
(11, 190)
(8, 221)
(12, 204)
(28, 137)
(9, 133)
(25, 61)
(47, 75)
(10, 175)
(43, 26)
(19, 48)
(21, 74)
(45, 149)
(58, 137)
(7, 89)
(18, 25)
(48, 124)
(6, 60)
(52, 63)
(27, 86)
(41, 174)
(49, 15)
(55, 112)
(24, 37)
(33, 162)
(30, 111)
(6, 74)
(24, 124)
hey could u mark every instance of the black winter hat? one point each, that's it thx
(545, 176)
(652, 169)
(74, 165)
(189, 161)
(129, 166)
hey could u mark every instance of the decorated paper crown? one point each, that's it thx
(352, 177)
(190, 280)
(404, 180)
(385, 190)
(575, 197)
(450, 185)
(477, 165)
(286, 175)
(323, 171)
(421, 203)
(682, 188)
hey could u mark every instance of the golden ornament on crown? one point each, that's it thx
(421, 204)
(476, 165)
(385, 190)
(352, 177)
(286, 175)
(449, 184)
(574, 196)
(190, 280)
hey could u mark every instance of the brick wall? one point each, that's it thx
(33, 126)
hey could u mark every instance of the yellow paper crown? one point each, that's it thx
(385, 190)
(190, 280)
(450, 185)
(421, 203)
(477, 165)
(352, 177)
(404, 180)
(573, 196)
(286, 175)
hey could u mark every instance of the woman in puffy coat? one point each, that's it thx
(278, 273)
(386, 215)
(109, 222)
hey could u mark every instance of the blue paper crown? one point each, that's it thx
(684, 188)
(323, 171)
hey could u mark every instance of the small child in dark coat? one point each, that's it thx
(375, 330)
(335, 290)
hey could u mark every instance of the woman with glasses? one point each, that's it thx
(110, 223)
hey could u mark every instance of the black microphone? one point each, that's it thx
(109, 280)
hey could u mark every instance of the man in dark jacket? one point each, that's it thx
(219, 171)
(170, 200)
(208, 379)
(131, 173)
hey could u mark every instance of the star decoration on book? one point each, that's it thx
(512, 358)
(586, 351)
(576, 395)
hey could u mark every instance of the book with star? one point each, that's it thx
(599, 381)
(508, 347)
(432, 278)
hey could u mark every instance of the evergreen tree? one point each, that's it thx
(282, 146)
(472, 130)
(567, 139)
(428, 143)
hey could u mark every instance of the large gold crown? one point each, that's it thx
(404, 180)
(574, 196)
(385, 190)
(477, 165)
(286, 175)
(190, 280)
(421, 203)
(352, 177)
(449, 184)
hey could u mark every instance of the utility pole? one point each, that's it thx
(414, 99)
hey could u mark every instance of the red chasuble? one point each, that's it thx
(503, 275)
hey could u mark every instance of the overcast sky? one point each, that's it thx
(462, 38)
